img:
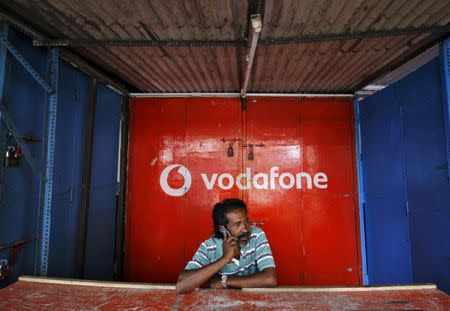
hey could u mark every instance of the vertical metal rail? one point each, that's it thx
(445, 74)
(121, 195)
(50, 136)
(3, 56)
(361, 196)
(86, 183)
(3, 53)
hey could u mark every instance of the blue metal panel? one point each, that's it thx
(420, 93)
(25, 100)
(387, 225)
(359, 167)
(445, 70)
(4, 47)
(103, 192)
(70, 136)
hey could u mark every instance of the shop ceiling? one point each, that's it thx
(171, 46)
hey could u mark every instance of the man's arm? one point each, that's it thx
(191, 279)
(265, 278)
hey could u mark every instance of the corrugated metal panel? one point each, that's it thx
(284, 19)
(332, 66)
(168, 69)
(336, 66)
(115, 19)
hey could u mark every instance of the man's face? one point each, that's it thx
(239, 226)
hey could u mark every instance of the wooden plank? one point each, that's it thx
(292, 289)
(95, 283)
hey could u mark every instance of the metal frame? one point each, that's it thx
(66, 54)
(86, 186)
(300, 95)
(45, 175)
(122, 191)
(26, 65)
(445, 74)
(3, 53)
(361, 196)
(293, 40)
(4, 30)
(4, 110)
(47, 182)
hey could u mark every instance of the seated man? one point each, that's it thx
(237, 255)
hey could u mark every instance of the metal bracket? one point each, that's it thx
(256, 23)
(26, 65)
(234, 140)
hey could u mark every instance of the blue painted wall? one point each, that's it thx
(19, 200)
(407, 190)
(73, 96)
(387, 224)
(103, 192)
(19, 188)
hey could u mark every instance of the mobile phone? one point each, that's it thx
(225, 231)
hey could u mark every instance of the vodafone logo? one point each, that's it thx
(245, 181)
(165, 185)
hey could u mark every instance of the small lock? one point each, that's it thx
(12, 156)
(4, 269)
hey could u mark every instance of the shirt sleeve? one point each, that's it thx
(200, 258)
(263, 253)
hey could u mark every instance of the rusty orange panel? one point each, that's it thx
(40, 296)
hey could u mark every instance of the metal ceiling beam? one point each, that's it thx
(243, 43)
(357, 35)
(174, 43)
(236, 95)
(67, 55)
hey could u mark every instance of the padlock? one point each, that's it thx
(11, 156)
(4, 269)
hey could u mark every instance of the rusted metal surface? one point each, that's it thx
(332, 66)
(40, 296)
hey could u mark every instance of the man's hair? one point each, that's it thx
(221, 209)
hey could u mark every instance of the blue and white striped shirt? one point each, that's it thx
(255, 256)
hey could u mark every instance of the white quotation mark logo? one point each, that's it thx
(171, 191)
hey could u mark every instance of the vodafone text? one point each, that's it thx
(246, 180)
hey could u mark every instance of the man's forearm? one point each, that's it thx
(192, 279)
(265, 278)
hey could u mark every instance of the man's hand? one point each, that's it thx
(229, 247)
(216, 282)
